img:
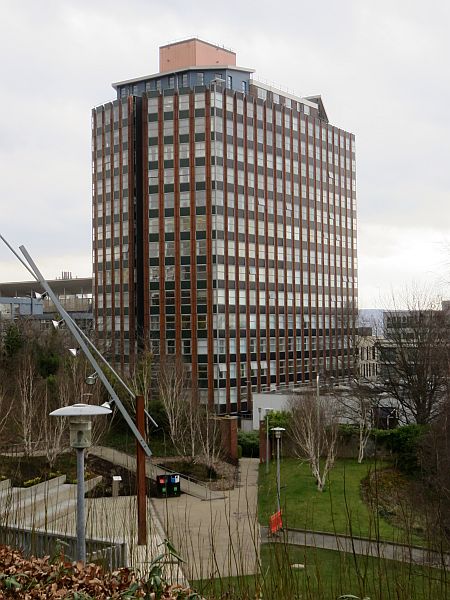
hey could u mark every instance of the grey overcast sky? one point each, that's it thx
(382, 68)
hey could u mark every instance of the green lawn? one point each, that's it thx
(339, 508)
(327, 575)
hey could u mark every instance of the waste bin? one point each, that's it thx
(173, 485)
(168, 486)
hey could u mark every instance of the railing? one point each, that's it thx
(111, 555)
(19, 450)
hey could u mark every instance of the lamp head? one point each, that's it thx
(80, 422)
(91, 379)
(278, 431)
(38, 296)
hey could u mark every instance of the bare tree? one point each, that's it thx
(141, 380)
(55, 429)
(5, 410)
(415, 357)
(355, 406)
(29, 410)
(207, 434)
(194, 429)
(175, 396)
(432, 492)
(313, 430)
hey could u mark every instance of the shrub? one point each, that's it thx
(279, 418)
(249, 442)
(31, 482)
(404, 443)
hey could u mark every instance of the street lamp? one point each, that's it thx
(268, 410)
(91, 379)
(278, 431)
(80, 426)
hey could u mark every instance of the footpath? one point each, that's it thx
(218, 538)
(215, 532)
(360, 546)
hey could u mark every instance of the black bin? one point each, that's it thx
(168, 486)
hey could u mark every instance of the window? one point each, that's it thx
(244, 86)
(229, 82)
(200, 79)
(171, 82)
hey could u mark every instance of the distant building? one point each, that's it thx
(14, 308)
(368, 354)
(18, 300)
(224, 227)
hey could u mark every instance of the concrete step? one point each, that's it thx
(39, 505)
(5, 484)
(21, 498)
(193, 488)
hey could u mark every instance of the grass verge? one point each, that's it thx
(327, 574)
(339, 509)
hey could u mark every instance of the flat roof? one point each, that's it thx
(194, 68)
(76, 285)
(197, 39)
(281, 92)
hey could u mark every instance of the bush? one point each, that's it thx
(158, 412)
(279, 418)
(249, 442)
(31, 482)
(404, 443)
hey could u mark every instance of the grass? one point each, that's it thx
(338, 509)
(327, 575)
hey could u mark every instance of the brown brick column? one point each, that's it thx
(228, 431)
(262, 443)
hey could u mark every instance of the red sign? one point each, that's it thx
(275, 522)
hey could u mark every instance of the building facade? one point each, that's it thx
(224, 227)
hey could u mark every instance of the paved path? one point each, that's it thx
(218, 537)
(217, 534)
(115, 519)
(359, 546)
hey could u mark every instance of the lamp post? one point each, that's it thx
(278, 431)
(80, 426)
(268, 410)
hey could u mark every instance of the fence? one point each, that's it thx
(111, 555)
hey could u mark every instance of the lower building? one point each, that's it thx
(26, 299)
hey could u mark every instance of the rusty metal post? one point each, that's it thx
(140, 474)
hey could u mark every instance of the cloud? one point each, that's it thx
(380, 68)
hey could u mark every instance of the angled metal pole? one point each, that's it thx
(18, 257)
(141, 481)
(79, 338)
(96, 350)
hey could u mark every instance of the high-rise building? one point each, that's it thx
(224, 227)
